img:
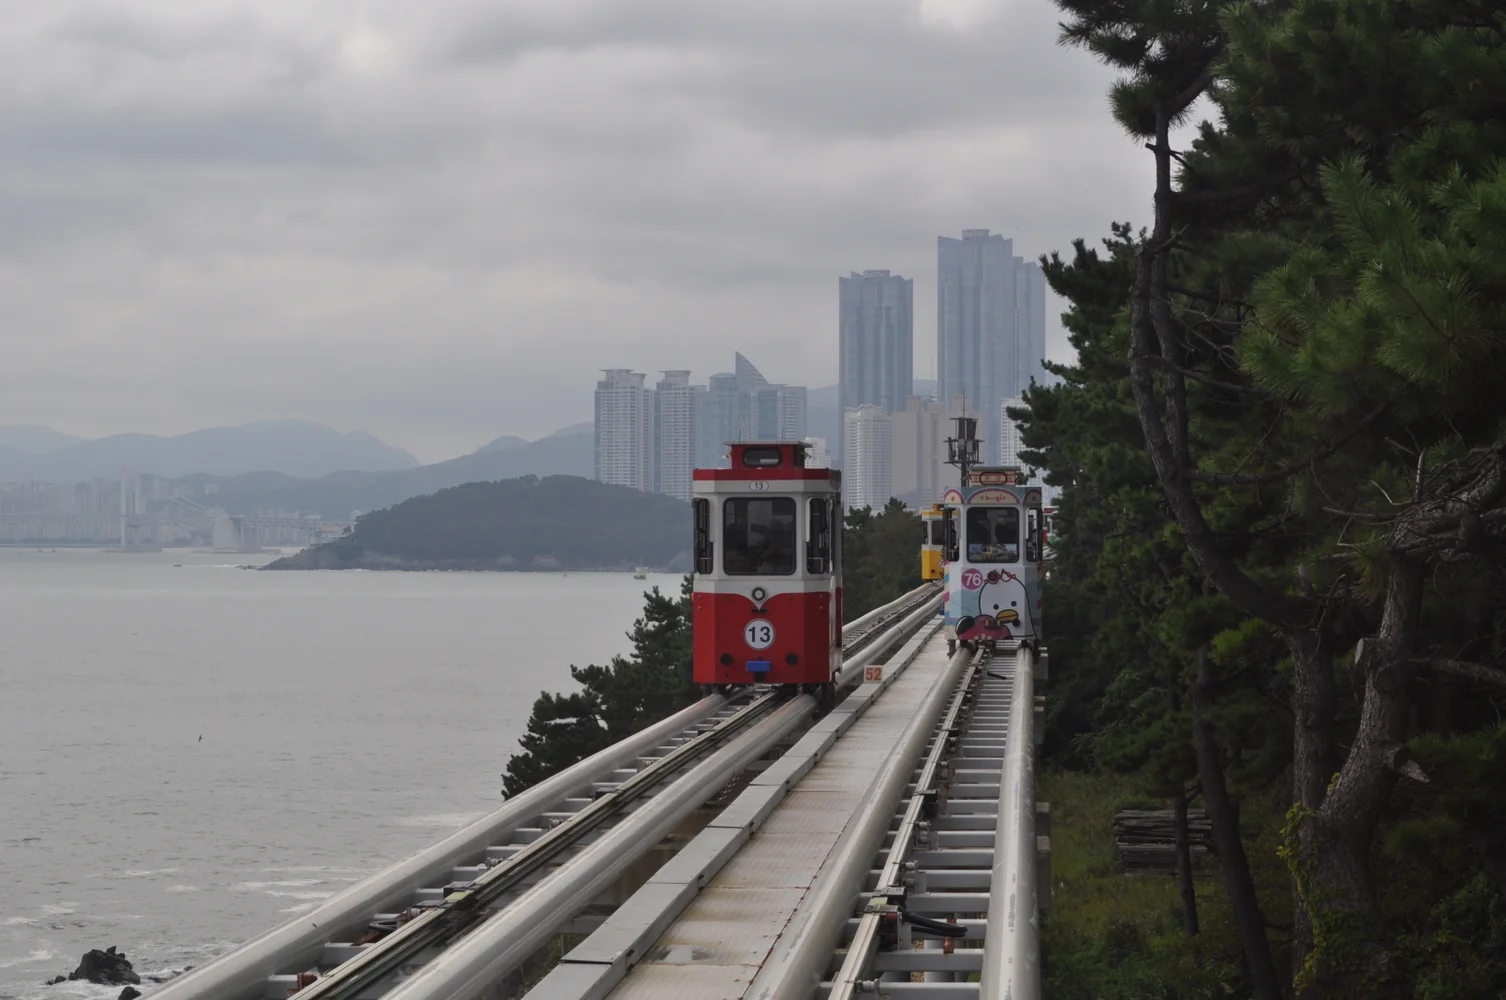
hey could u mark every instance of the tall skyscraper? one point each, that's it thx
(1009, 439)
(918, 441)
(676, 445)
(742, 405)
(868, 473)
(780, 413)
(876, 343)
(990, 324)
(722, 414)
(624, 430)
(817, 457)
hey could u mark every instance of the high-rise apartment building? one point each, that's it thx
(723, 412)
(624, 429)
(817, 457)
(876, 340)
(1009, 438)
(990, 324)
(918, 436)
(780, 413)
(742, 405)
(868, 471)
(676, 444)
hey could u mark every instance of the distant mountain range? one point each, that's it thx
(291, 447)
(341, 493)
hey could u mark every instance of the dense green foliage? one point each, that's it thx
(880, 557)
(882, 561)
(1283, 458)
(558, 522)
(614, 701)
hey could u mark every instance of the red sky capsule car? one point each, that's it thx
(768, 569)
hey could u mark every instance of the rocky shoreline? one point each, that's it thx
(110, 967)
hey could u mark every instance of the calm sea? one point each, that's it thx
(190, 752)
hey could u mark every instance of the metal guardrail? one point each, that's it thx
(1011, 955)
(245, 972)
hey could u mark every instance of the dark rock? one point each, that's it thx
(107, 968)
(129, 993)
(54, 982)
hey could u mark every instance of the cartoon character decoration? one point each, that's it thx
(1002, 609)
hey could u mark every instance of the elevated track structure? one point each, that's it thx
(749, 846)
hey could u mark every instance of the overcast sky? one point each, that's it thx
(436, 220)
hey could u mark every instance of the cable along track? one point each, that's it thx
(376, 934)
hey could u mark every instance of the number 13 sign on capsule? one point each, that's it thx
(759, 634)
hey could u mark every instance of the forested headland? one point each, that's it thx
(1279, 594)
(529, 523)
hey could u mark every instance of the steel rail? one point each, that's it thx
(241, 974)
(890, 608)
(889, 888)
(794, 969)
(463, 907)
(599, 963)
(1011, 953)
(470, 969)
(852, 667)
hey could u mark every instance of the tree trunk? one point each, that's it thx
(1184, 866)
(1233, 864)
(1314, 759)
(1357, 959)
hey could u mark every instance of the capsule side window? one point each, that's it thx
(1034, 534)
(818, 554)
(701, 514)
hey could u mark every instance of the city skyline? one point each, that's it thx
(391, 264)
(651, 438)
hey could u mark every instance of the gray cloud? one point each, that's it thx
(436, 221)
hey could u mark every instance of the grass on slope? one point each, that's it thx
(1109, 936)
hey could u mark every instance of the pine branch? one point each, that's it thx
(1234, 194)
(1477, 672)
(1275, 475)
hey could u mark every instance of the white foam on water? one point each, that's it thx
(40, 955)
(18, 921)
(287, 883)
(331, 870)
(57, 910)
(299, 895)
(299, 908)
(182, 888)
(455, 820)
(142, 872)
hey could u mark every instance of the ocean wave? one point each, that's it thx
(299, 908)
(331, 869)
(40, 955)
(57, 909)
(455, 820)
(17, 921)
(287, 883)
(299, 895)
(141, 872)
(182, 888)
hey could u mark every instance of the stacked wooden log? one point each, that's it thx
(1147, 840)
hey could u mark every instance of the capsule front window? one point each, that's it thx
(758, 536)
